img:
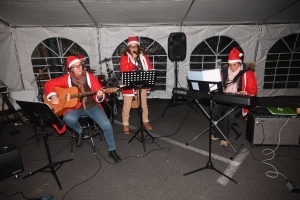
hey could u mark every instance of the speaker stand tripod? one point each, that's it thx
(209, 164)
(174, 99)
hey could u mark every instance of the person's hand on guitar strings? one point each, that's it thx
(99, 94)
(55, 99)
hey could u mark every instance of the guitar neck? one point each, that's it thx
(85, 94)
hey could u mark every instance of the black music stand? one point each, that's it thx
(209, 164)
(208, 90)
(139, 80)
(44, 113)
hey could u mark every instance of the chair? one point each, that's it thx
(89, 130)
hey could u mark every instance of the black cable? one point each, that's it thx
(86, 179)
(51, 156)
(11, 195)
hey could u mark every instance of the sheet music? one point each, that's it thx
(196, 76)
(213, 75)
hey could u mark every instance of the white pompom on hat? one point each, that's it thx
(81, 57)
(235, 56)
(71, 60)
(133, 40)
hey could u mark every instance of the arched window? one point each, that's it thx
(212, 52)
(156, 54)
(49, 57)
(282, 69)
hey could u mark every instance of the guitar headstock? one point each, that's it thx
(110, 90)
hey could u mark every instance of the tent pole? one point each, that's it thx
(17, 57)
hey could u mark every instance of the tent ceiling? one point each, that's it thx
(103, 13)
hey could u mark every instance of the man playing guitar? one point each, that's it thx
(88, 105)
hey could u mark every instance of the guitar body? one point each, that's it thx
(69, 97)
(64, 102)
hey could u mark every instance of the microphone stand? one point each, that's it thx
(38, 79)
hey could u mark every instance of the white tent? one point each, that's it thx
(100, 26)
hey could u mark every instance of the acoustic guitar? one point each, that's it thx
(69, 97)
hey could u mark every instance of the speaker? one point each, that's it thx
(263, 129)
(10, 162)
(177, 46)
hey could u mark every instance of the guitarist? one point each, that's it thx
(89, 105)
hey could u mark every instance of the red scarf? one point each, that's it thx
(80, 81)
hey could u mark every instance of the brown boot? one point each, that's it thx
(126, 130)
(147, 126)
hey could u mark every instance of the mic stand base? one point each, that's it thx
(141, 128)
(209, 165)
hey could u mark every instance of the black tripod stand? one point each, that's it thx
(209, 164)
(208, 91)
(139, 80)
(11, 109)
(174, 99)
(44, 113)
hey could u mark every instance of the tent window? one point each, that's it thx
(49, 57)
(212, 53)
(282, 68)
(156, 54)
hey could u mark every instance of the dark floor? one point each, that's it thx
(159, 172)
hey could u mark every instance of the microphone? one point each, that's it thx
(136, 59)
(134, 52)
(241, 72)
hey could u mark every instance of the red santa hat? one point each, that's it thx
(235, 56)
(81, 57)
(71, 60)
(133, 40)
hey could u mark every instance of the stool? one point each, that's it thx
(89, 130)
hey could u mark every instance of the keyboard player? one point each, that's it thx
(245, 84)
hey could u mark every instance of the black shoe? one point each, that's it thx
(79, 140)
(113, 154)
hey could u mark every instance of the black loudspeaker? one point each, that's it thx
(10, 162)
(177, 46)
(263, 129)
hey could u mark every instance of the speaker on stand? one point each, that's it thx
(176, 52)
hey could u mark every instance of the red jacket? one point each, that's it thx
(127, 66)
(247, 83)
(65, 82)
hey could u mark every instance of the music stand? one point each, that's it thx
(44, 113)
(209, 88)
(209, 164)
(140, 79)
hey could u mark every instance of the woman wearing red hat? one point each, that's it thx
(246, 84)
(85, 82)
(134, 58)
(82, 59)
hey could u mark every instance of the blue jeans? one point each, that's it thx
(99, 116)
